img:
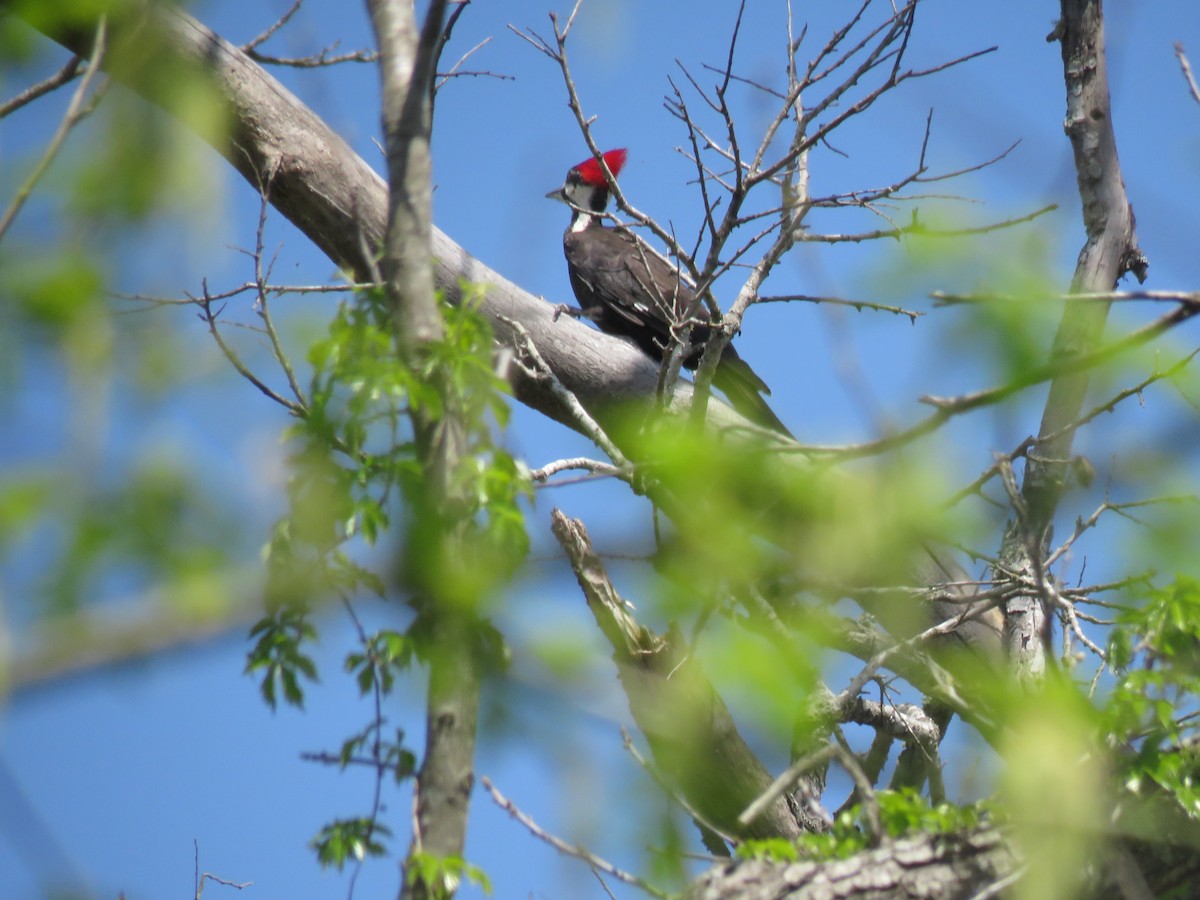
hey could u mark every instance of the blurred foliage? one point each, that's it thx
(443, 875)
(104, 522)
(1152, 716)
(358, 477)
(750, 515)
(1055, 787)
(742, 531)
(142, 163)
(901, 813)
(350, 840)
(156, 529)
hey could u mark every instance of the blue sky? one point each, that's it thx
(107, 779)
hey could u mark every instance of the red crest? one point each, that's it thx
(590, 172)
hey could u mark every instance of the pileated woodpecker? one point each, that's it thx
(629, 290)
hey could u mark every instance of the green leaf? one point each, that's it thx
(344, 840)
(277, 654)
(442, 875)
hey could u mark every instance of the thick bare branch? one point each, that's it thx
(924, 866)
(1110, 251)
(689, 728)
(334, 197)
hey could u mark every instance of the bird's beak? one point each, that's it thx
(557, 194)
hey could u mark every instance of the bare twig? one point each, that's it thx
(200, 879)
(1121, 509)
(261, 279)
(573, 850)
(1193, 88)
(457, 70)
(76, 110)
(859, 305)
(318, 60)
(64, 75)
(274, 27)
(594, 466)
(324, 57)
(321, 58)
(274, 290)
(211, 316)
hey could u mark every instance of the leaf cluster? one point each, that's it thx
(346, 840)
(443, 874)
(279, 656)
(1152, 714)
(902, 812)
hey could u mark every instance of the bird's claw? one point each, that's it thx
(564, 309)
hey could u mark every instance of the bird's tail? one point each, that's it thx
(744, 388)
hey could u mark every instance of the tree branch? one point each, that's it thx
(689, 728)
(336, 200)
(942, 866)
(1109, 252)
(444, 782)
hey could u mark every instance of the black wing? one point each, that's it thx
(627, 289)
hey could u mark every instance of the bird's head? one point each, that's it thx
(586, 187)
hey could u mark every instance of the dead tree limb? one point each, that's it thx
(689, 728)
(1109, 252)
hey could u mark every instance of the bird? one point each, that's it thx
(629, 290)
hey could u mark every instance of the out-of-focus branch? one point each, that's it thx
(76, 110)
(1110, 251)
(690, 731)
(63, 76)
(151, 624)
(441, 794)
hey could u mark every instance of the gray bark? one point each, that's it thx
(442, 791)
(335, 199)
(1110, 251)
(689, 728)
(931, 867)
(331, 195)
